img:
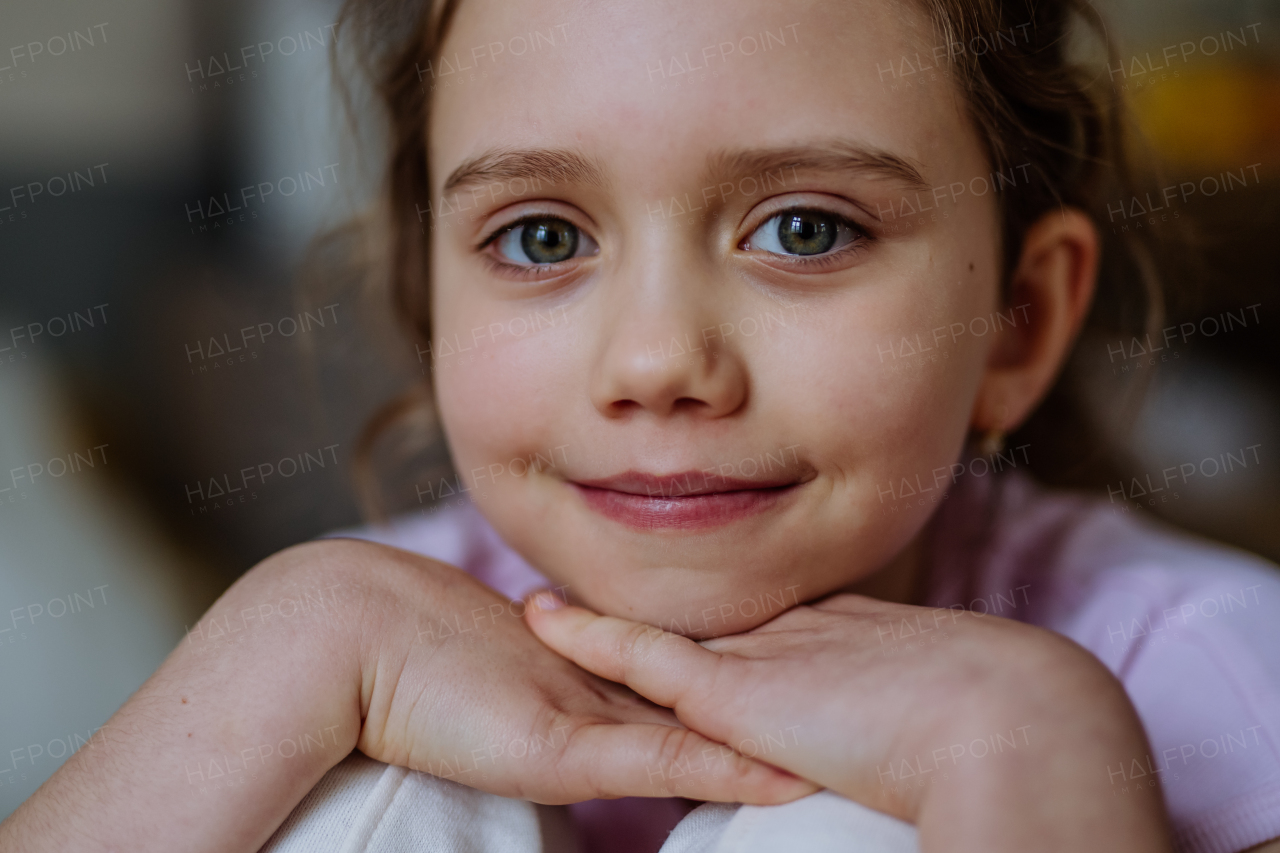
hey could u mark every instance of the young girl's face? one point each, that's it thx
(676, 381)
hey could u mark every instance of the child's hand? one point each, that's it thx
(987, 733)
(340, 644)
(455, 685)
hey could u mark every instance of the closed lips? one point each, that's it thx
(686, 500)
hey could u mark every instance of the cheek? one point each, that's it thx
(878, 385)
(502, 380)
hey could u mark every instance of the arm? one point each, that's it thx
(194, 760)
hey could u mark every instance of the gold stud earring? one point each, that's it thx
(992, 442)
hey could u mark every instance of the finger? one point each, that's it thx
(624, 704)
(661, 666)
(606, 760)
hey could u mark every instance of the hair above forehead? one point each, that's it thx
(1034, 107)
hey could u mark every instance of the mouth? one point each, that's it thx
(687, 500)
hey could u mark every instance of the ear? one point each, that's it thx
(1050, 292)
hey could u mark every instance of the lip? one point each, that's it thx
(685, 500)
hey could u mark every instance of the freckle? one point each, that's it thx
(184, 700)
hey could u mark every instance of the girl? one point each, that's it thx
(718, 292)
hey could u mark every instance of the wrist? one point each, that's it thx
(403, 617)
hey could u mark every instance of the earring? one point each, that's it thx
(992, 442)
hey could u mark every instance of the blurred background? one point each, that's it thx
(163, 167)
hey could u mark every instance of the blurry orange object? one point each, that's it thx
(1220, 117)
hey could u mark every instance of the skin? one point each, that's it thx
(585, 393)
(190, 762)
(589, 384)
(848, 736)
(592, 386)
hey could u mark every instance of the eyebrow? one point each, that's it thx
(562, 165)
(533, 165)
(834, 156)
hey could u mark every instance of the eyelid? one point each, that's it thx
(772, 209)
(861, 237)
(547, 212)
(485, 242)
(491, 257)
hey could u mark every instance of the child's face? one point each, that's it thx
(719, 297)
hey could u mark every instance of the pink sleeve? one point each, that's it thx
(1197, 651)
(460, 536)
(1192, 630)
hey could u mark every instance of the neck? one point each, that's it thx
(902, 579)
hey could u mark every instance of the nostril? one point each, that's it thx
(689, 403)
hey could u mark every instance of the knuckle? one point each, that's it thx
(631, 649)
(675, 749)
(633, 642)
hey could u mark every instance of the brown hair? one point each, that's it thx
(1033, 107)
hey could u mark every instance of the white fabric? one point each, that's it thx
(365, 806)
(820, 823)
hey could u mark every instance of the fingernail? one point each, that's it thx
(548, 601)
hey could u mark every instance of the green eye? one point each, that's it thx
(540, 241)
(804, 233)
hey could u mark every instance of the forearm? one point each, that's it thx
(219, 745)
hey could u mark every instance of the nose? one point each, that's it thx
(660, 350)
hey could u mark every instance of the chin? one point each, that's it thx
(694, 603)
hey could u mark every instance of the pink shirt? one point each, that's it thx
(1189, 627)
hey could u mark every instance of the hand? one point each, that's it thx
(339, 644)
(1008, 727)
(455, 685)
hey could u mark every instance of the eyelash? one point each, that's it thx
(859, 243)
(521, 271)
(524, 272)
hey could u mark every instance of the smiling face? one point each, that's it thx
(671, 278)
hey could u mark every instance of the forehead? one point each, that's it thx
(649, 88)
